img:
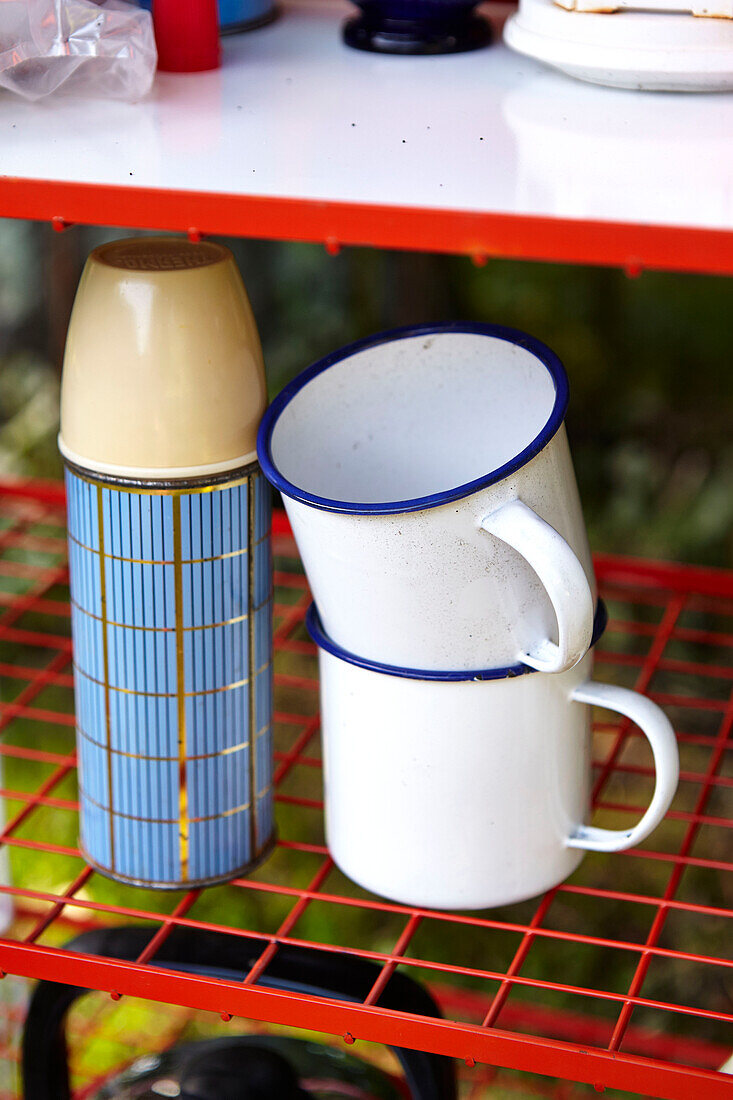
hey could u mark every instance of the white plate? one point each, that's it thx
(654, 51)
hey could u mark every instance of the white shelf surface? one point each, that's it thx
(293, 113)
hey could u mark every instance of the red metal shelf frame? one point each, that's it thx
(481, 235)
(663, 1040)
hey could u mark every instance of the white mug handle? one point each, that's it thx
(658, 731)
(563, 577)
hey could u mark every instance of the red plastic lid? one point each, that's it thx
(187, 35)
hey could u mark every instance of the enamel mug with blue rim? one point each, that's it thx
(429, 485)
(470, 793)
(169, 561)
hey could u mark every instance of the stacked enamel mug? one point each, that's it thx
(429, 485)
(169, 559)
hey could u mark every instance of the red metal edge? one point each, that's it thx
(483, 235)
(492, 1046)
(46, 492)
(670, 576)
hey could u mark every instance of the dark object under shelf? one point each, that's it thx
(330, 974)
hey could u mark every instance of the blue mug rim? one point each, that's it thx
(546, 356)
(322, 640)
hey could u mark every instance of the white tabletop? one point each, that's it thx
(294, 113)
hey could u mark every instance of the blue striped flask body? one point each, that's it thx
(171, 589)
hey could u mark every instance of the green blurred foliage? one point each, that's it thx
(648, 360)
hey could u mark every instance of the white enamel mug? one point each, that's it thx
(428, 481)
(467, 794)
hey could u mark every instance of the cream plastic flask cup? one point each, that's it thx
(428, 481)
(470, 793)
(170, 571)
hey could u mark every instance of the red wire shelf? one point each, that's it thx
(616, 978)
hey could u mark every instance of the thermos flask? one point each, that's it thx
(170, 569)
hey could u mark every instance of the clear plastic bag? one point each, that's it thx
(76, 47)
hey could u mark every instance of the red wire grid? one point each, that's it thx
(616, 978)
